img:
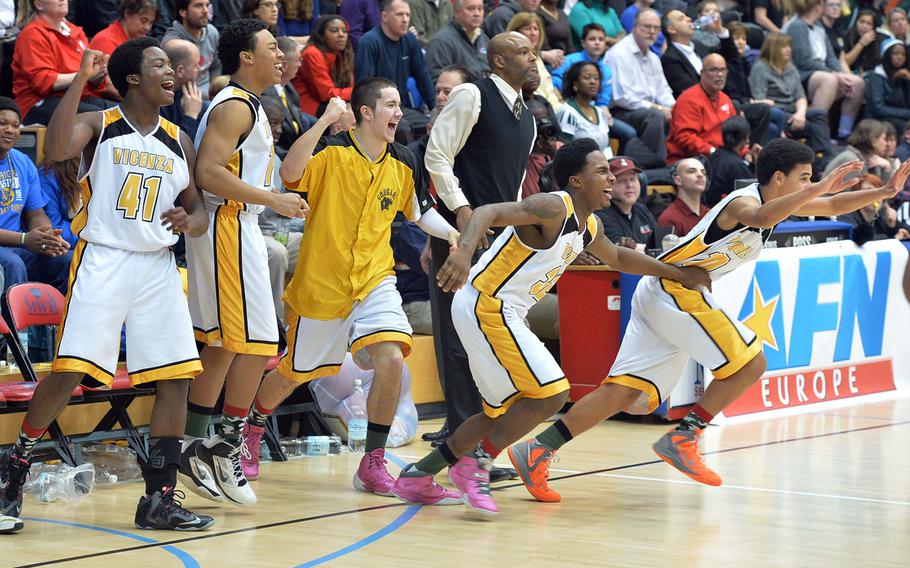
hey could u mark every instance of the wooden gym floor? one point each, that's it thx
(820, 490)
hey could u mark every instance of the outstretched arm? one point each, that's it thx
(539, 209)
(853, 200)
(749, 212)
(634, 262)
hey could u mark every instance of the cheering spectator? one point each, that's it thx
(59, 182)
(326, 66)
(596, 12)
(30, 247)
(862, 44)
(896, 26)
(627, 222)
(826, 77)
(499, 18)
(727, 164)
(641, 95)
(194, 26)
(361, 15)
(430, 16)
(295, 122)
(461, 41)
(556, 26)
(188, 104)
(48, 54)
(530, 26)
(628, 22)
(391, 52)
(868, 143)
(888, 87)
(579, 117)
(699, 113)
(774, 77)
(691, 180)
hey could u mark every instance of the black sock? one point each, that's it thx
(377, 434)
(160, 470)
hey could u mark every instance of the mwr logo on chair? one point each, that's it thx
(38, 303)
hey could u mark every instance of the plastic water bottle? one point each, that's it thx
(705, 20)
(23, 339)
(357, 424)
(61, 482)
(281, 230)
(669, 241)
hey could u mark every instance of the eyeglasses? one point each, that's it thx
(269, 5)
(716, 70)
(651, 28)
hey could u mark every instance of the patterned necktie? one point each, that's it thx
(516, 108)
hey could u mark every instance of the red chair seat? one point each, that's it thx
(24, 391)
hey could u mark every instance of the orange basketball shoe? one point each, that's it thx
(531, 460)
(679, 448)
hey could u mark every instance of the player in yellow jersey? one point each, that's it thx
(134, 166)
(343, 294)
(520, 382)
(229, 290)
(670, 324)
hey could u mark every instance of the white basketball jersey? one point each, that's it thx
(132, 180)
(520, 275)
(717, 250)
(253, 160)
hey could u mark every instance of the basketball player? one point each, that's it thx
(229, 291)
(670, 324)
(135, 164)
(520, 382)
(343, 294)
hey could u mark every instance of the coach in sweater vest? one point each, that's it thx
(477, 153)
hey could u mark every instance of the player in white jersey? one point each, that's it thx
(519, 381)
(669, 323)
(229, 291)
(135, 165)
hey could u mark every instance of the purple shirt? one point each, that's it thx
(362, 16)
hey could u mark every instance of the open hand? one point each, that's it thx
(897, 181)
(454, 273)
(837, 181)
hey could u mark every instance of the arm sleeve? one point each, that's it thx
(55, 205)
(438, 56)
(37, 61)
(433, 224)
(449, 134)
(558, 73)
(802, 49)
(758, 82)
(315, 170)
(686, 129)
(31, 185)
(578, 19)
(605, 97)
(315, 71)
(419, 201)
(625, 94)
(876, 106)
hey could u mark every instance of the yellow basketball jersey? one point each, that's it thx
(131, 181)
(520, 275)
(253, 160)
(717, 250)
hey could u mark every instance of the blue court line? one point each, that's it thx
(187, 560)
(403, 518)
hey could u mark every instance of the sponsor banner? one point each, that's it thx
(832, 318)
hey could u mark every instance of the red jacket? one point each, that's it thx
(314, 81)
(695, 127)
(108, 39)
(42, 53)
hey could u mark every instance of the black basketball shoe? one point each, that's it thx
(161, 510)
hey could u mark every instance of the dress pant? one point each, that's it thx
(652, 127)
(759, 117)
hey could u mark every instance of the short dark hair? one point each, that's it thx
(386, 5)
(781, 155)
(7, 103)
(272, 108)
(572, 159)
(129, 7)
(127, 60)
(181, 5)
(734, 131)
(237, 36)
(568, 83)
(866, 132)
(593, 26)
(466, 75)
(366, 93)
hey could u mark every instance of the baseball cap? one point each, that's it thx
(622, 164)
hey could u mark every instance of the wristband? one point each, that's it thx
(21, 239)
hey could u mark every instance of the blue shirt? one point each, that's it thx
(379, 56)
(57, 209)
(606, 76)
(407, 245)
(20, 190)
(627, 19)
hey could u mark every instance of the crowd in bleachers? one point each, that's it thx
(679, 94)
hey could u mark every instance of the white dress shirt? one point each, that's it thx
(638, 77)
(450, 133)
(689, 52)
